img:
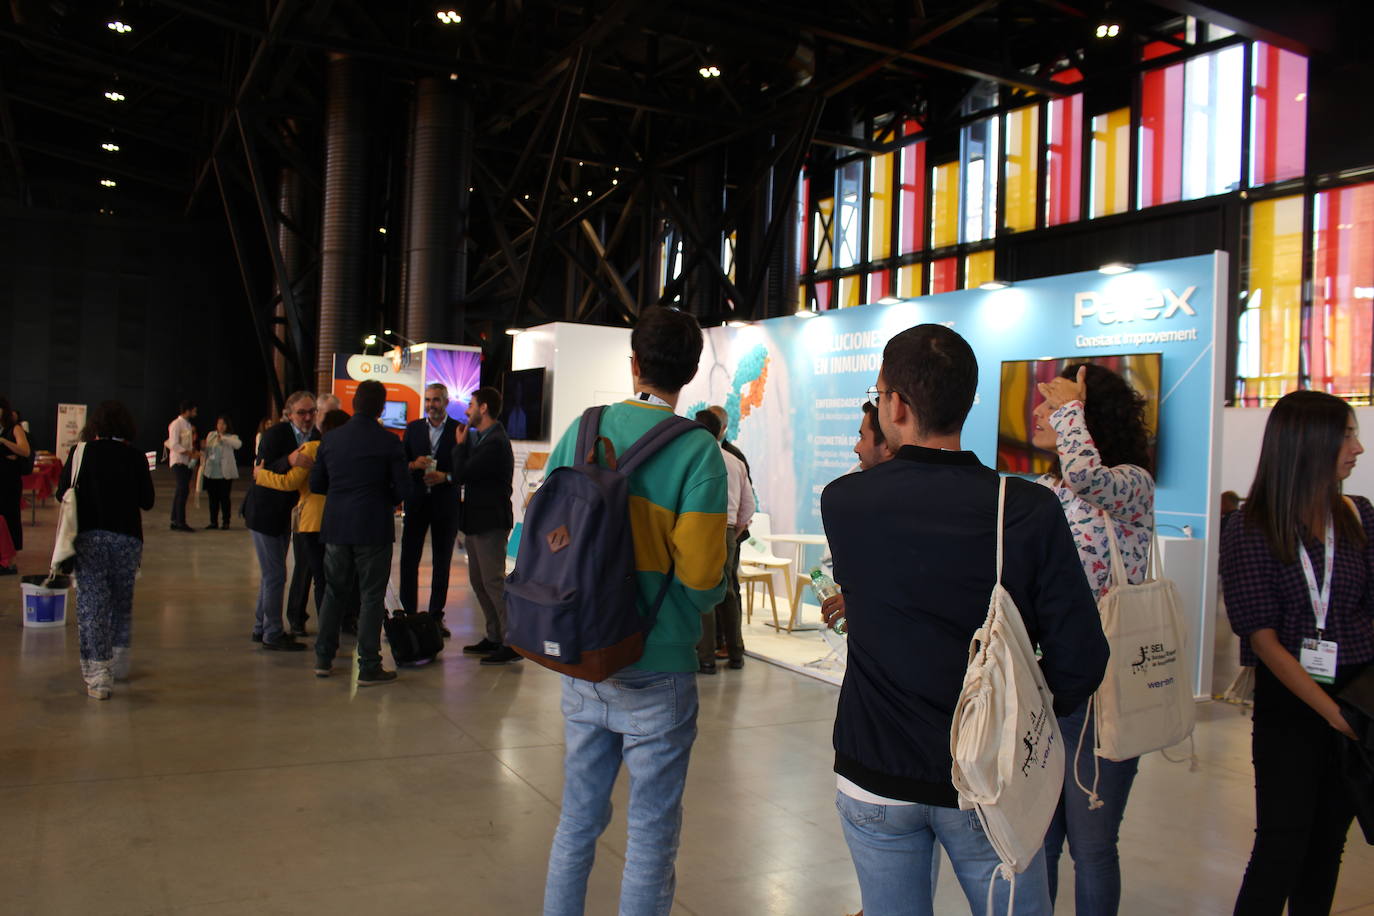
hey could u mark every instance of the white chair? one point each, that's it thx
(756, 552)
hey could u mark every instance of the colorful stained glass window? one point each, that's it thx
(1278, 114)
(1213, 89)
(944, 223)
(880, 206)
(1111, 163)
(912, 199)
(1338, 334)
(943, 274)
(822, 237)
(979, 268)
(1063, 160)
(978, 144)
(879, 285)
(849, 181)
(803, 226)
(1269, 325)
(1022, 168)
(1161, 136)
(909, 281)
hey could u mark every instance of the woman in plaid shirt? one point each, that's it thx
(1295, 572)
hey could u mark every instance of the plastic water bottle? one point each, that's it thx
(824, 587)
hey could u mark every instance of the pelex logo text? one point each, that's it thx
(1162, 303)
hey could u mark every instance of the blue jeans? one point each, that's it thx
(1092, 834)
(649, 720)
(892, 847)
(271, 550)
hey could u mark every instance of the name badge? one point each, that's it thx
(1318, 658)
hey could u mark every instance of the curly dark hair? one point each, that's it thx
(1115, 414)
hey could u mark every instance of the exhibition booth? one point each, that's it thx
(793, 389)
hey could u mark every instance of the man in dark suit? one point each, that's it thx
(362, 469)
(433, 504)
(267, 514)
(484, 464)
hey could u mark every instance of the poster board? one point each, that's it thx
(71, 419)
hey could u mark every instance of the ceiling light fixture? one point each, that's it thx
(453, 76)
(109, 147)
(449, 17)
(1112, 268)
(108, 182)
(805, 313)
(710, 71)
(994, 284)
(889, 300)
(1108, 30)
(382, 230)
(737, 323)
(515, 332)
(114, 96)
(123, 28)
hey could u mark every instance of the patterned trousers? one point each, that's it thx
(105, 566)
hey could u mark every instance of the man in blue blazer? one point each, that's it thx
(433, 504)
(362, 468)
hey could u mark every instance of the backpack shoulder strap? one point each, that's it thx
(1001, 516)
(649, 444)
(588, 430)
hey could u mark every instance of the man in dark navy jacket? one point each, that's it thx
(484, 464)
(433, 504)
(362, 469)
(914, 543)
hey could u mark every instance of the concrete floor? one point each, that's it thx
(226, 780)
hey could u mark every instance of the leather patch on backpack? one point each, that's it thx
(558, 538)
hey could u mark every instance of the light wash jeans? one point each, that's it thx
(892, 847)
(649, 720)
(1092, 834)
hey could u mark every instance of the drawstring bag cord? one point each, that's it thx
(1002, 871)
(1190, 757)
(1094, 800)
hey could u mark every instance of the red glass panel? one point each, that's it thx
(823, 295)
(1278, 111)
(1068, 76)
(942, 275)
(1064, 160)
(879, 285)
(912, 198)
(1340, 325)
(1161, 136)
(1158, 49)
(804, 228)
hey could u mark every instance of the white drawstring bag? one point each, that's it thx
(64, 544)
(1008, 753)
(1145, 702)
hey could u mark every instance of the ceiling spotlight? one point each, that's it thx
(994, 284)
(514, 332)
(1112, 268)
(114, 96)
(575, 200)
(382, 230)
(710, 71)
(453, 76)
(108, 182)
(123, 28)
(805, 313)
(1108, 30)
(615, 181)
(110, 147)
(617, 168)
(449, 17)
(527, 197)
(889, 300)
(370, 340)
(736, 323)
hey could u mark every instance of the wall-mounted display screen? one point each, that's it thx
(394, 415)
(1019, 397)
(522, 404)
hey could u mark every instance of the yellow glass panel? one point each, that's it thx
(850, 288)
(944, 225)
(800, 302)
(1111, 162)
(979, 268)
(1271, 317)
(824, 234)
(1023, 136)
(909, 281)
(880, 207)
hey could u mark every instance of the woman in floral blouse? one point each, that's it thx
(1295, 571)
(1095, 424)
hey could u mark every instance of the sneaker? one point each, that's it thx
(376, 678)
(322, 670)
(735, 664)
(485, 647)
(722, 653)
(283, 643)
(503, 655)
(706, 668)
(98, 693)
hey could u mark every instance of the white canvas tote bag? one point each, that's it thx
(1008, 753)
(64, 545)
(1145, 702)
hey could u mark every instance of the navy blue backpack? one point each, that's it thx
(571, 601)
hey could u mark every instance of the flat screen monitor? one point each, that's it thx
(394, 415)
(1019, 397)
(522, 404)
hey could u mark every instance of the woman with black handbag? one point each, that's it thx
(16, 460)
(1295, 570)
(112, 485)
